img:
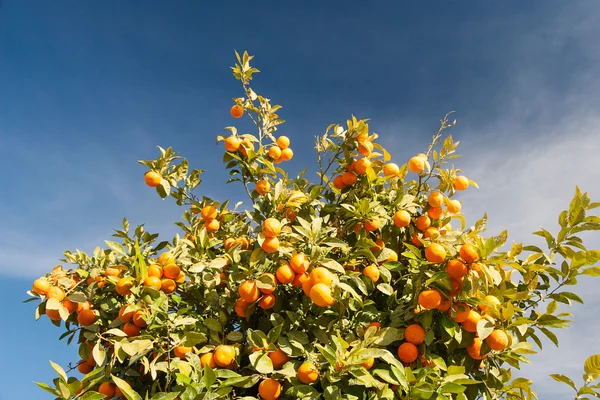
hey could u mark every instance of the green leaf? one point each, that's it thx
(129, 393)
(47, 388)
(60, 371)
(593, 271)
(116, 247)
(564, 379)
(92, 396)
(99, 354)
(592, 365)
(261, 362)
(452, 388)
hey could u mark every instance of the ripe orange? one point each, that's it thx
(453, 206)
(283, 142)
(423, 222)
(456, 269)
(171, 271)
(155, 270)
(278, 358)
(456, 286)
(130, 329)
(236, 111)
(71, 306)
(393, 256)
(429, 299)
(246, 146)
(287, 154)
(408, 352)
(365, 148)
(274, 153)
(272, 280)
(391, 169)
(270, 245)
(470, 324)
(401, 218)
(166, 258)
(40, 286)
(375, 324)
(267, 301)
(460, 312)
(241, 307)
(498, 340)
(86, 305)
(492, 300)
(474, 349)
(269, 389)
(372, 225)
(416, 165)
(271, 227)
(54, 315)
(108, 389)
(362, 137)
(379, 245)
(308, 373)
(414, 334)
(468, 252)
(84, 368)
(435, 213)
(299, 263)
(369, 363)
(181, 351)
(232, 143)
(349, 178)
(208, 359)
(55, 292)
(435, 199)
(224, 355)
(320, 275)
(153, 282)
(138, 319)
(372, 272)
(435, 253)
(360, 167)
(152, 178)
(431, 232)
(125, 316)
(338, 182)
(180, 278)
(212, 225)
(285, 274)
(320, 294)
(168, 286)
(307, 286)
(86, 317)
(263, 186)
(299, 279)
(460, 183)
(248, 291)
(444, 304)
(209, 212)
(415, 240)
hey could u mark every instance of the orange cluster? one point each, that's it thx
(210, 216)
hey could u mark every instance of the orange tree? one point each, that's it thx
(356, 286)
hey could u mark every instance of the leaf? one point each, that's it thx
(99, 354)
(564, 379)
(116, 247)
(93, 396)
(385, 289)
(592, 365)
(593, 271)
(129, 393)
(261, 362)
(60, 371)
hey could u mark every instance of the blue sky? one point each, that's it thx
(89, 88)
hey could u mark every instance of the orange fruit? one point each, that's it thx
(84, 368)
(112, 271)
(181, 351)
(131, 329)
(453, 206)
(401, 218)
(54, 315)
(357, 228)
(470, 324)
(224, 355)
(209, 212)
(456, 286)
(168, 286)
(435, 213)
(271, 227)
(287, 154)
(375, 324)
(415, 240)
(369, 363)
(365, 148)
(236, 111)
(171, 271)
(86, 317)
(444, 304)
(468, 252)
(212, 225)
(349, 178)
(270, 245)
(232, 143)
(267, 301)
(119, 394)
(248, 291)
(125, 316)
(272, 280)
(498, 340)
(155, 270)
(246, 146)
(360, 167)
(263, 186)
(460, 312)
(372, 272)
(492, 300)
(241, 307)
(393, 256)
(278, 358)
(208, 359)
(269, 389)
(431, 232)
(108, 389)
(40, 286)
(474, 349)
(391, 169)
(435, 199)
(416, 165)
(71, 306)
(274, 153)
(229, 243)
(320, 294)
(320, 275)
(153, 282)
(460, 183)
(83, 306)
(55, 292)
(283, 142)
(299, 263)
(308, 373)
(299, 279)
(379, 245)
(423, 222)
(372, 225)
(138, 319)
(430, 299)
(180, 278)
(166, 258)
(414, 334)
(285, 274)
(435, 253)
(338, 182)
(307, 286)
(408, 352)
(456, 269)
(152, 178)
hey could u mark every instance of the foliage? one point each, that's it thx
(352, 287)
